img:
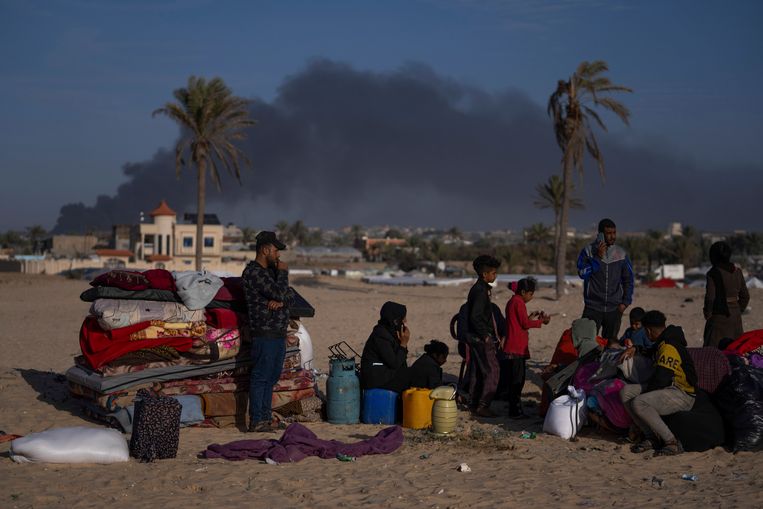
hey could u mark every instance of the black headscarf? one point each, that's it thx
(391, 316)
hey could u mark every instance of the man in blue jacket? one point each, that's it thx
(607, 277)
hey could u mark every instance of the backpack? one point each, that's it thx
(155, 428)
(459, 324)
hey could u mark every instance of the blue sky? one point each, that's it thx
(81, 78)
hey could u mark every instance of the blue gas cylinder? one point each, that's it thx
(343, 392)
(379, 406)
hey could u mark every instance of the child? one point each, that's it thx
(426, 372)
(635, 335)
(516, 346)
(484, 370)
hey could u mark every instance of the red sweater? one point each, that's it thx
(517, 326)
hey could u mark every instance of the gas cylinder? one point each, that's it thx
(343, 392)
(444, 410)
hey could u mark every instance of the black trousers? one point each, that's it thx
(608, 323)
(515, 378)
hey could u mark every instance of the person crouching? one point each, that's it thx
(671, 388)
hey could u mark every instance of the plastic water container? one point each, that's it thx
(417, 408)
(444, 410)
(343, 392)
(379, 406)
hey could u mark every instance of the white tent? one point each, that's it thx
(754, 282)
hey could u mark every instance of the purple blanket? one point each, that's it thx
(298, 442)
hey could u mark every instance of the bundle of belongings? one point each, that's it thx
(184, 335)
(727, 405)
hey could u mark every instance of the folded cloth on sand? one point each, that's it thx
(114, 313)
(196, 289)
(298, 442)
(100, 346)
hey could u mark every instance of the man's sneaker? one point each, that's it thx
(260, 427)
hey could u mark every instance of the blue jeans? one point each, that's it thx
(267, 363)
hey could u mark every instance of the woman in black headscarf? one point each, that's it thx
(384, 363)
(726, 297)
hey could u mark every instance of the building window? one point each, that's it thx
(209, 242)
(187, 241)
(148, 240)
(160, 238)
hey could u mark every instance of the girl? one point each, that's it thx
(426, 372)
(516, 348)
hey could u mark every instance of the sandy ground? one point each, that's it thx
(41, 316)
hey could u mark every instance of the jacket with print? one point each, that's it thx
(262, 285)
(673, 364)
(608, 281)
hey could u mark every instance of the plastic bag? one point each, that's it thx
(566, 414)
(71, 445)
(305, 347)
(740, 401)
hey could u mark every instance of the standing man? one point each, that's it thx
(268, 297)
(607, 277)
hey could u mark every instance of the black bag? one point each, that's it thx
(557, 384)
(740, 402)
(155, 427)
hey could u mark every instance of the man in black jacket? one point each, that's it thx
(384, 362)
(268, 297)
(484, 369)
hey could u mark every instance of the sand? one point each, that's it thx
(40, 318)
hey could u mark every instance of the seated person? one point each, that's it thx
(671, 389)
(426, 372)
(635, 335)
(384, 361)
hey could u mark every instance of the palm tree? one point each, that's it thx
(550, 196)
(538, 235)
(211, 119)
(35, 233)
(571, 107)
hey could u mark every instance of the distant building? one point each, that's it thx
(675, 230)
(71, 246)
(165, 239)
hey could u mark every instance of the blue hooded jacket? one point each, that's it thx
(608, 281)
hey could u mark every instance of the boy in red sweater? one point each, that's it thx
(518, 324)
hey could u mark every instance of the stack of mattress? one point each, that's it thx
(185, 335)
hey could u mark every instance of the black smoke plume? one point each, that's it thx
(339, 146)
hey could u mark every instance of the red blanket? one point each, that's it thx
(102, 346)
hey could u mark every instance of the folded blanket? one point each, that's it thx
(100, 346)
(158, 279)
(196, 289)
(217, 344)
(221, 318)
(114, 314)
(298, 442)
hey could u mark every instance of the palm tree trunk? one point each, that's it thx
(561, 238)
(202, 166)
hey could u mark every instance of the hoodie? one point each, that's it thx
(673, 365)
(608, 281)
